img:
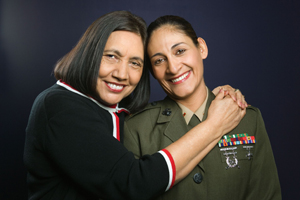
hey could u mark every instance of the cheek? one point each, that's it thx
(194, 59)
(135, 76)
(158, 72)
(103, 71)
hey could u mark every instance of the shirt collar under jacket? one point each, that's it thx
(187, 113)
(114, 108)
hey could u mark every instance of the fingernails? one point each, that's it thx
(240, 104)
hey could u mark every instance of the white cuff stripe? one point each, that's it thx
(168, 161)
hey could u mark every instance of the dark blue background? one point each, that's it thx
(253, 45)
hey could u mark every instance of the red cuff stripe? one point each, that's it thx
(172, 164)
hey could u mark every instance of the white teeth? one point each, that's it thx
(180, 78)
(115, 87)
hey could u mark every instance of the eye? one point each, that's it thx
(110, 58)
(180, 51)
(159, 61)
(136, 64)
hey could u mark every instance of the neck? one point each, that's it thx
(195, 100)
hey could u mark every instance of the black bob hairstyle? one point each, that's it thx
(80, 67)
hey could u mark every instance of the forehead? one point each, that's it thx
(168, 28)
(167, 35)
(125, 40)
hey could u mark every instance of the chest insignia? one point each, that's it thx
(167, 112)
(230, 161)
(236, 139)
(249, 155)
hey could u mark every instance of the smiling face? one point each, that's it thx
(177, 63)
(121, 66)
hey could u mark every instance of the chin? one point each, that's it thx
(182, 94)
(111, 101)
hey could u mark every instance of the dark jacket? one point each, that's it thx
(70, 153)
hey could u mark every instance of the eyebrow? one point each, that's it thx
(113, 51)
(119, 54)
(175, 45)
(138, 58)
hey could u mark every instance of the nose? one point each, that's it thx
(173, 66)
(121, 72)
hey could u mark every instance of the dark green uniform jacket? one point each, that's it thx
(161, 123)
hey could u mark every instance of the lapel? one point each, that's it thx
(210, 98)
(176, 125)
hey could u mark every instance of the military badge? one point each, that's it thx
(249, 155)
(236, 139)
(231, 161)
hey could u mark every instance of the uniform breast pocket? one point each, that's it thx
(239, 156)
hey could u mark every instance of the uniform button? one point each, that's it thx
(153, 103)
(198, 178)
(167, 112)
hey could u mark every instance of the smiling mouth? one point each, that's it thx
(114, 87)
(180, 79)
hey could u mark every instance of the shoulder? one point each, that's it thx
(55, 94)
(252, 112)
(58, 100)
(153, 110)
(251, 121)
(60, 97)
(51, 94)
(150, 107)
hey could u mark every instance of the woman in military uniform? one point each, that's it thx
(241, 165)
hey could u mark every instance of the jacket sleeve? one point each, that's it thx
(81, 146)
(264, 181)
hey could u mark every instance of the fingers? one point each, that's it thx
(220, 94)
(227, 89)
(235, 94)
(240, 98)
(216, 90)
(237, 97)
(224, 87)
(225, 113)
(241, 101)
(243, 113)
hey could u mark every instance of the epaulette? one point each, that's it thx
(149, 106)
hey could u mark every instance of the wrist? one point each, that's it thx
(213, 128)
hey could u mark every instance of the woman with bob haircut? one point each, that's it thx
(240, 165)
(73, 147)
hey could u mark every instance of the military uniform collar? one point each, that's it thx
(169, 108)
(187, 113)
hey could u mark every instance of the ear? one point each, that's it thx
(202, 48)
